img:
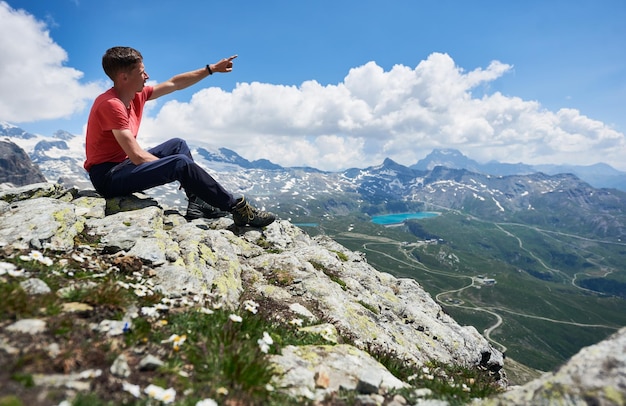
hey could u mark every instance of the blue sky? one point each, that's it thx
(338, 84)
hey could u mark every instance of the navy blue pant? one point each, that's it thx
(175, 163)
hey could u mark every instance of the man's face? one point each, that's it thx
(138, 76)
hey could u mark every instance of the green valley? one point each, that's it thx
(522, 286)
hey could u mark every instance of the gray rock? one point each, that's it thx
(122, 230)
(43, 223)
(596, 375)
(35, 190)
(28, 326)
(149, 363)
(344, 365)
(120, 367)
(35, 286)
(77, 380)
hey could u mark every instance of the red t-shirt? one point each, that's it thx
(108, 113)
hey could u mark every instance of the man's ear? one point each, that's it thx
(121, 77)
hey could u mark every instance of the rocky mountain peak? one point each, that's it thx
(16, 168)
(447, 157)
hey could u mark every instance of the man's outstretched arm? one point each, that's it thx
(184, 80)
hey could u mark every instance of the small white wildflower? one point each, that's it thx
(251, 306)
(265, 342)
(206, 402)
(269, 387)
(134, 390)
(169, 396)
(158, 393)
(160, 306)
(263, 346)
(140, 292)
(296, 322)
(123, 284)
(205, 310)
(37, 256)
(222, 391)
(176, 341)
(149, 311)
(217, 306)
(425, 370)
(234, 318)
(465, 388)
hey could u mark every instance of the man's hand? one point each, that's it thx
(225, 65)
(187, 79)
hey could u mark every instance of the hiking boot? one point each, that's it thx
(198, 208)
(244, 214)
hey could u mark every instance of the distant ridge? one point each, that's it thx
(599, 175)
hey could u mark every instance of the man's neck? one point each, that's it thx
(125, 95)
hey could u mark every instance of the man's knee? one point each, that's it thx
(179, 141)
(182, 160)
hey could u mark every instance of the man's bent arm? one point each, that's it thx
(136, 154)
(184, 80)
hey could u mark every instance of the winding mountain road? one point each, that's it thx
(444, 298)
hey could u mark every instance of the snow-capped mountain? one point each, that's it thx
(599, 175)
(59, 157)
(535, 197)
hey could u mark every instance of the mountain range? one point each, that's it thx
(553, 242)
(599, 175)
(65, 146)
(444, 179)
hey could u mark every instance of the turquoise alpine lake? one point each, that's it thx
(306, 224)
(397, 218)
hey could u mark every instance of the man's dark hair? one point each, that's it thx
(120, 59)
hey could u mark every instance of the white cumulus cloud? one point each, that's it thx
(402, 113)
(34, 83)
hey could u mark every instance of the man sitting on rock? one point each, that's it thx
(118, 166)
